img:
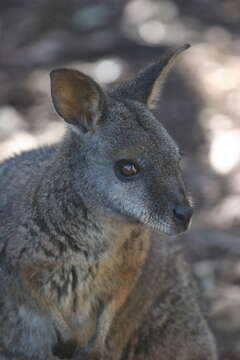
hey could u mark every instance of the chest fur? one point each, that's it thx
(83, 299)
(107, 285)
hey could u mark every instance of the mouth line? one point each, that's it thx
(166, 228)
(157, 224)
(160, 226)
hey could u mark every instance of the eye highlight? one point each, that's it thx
(126, 169)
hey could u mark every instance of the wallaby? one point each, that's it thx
(87, 267)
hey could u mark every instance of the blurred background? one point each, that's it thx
(200, 107)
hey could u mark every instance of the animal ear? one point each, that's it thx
(147, 85)
(77, 98)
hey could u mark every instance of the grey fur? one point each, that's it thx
(82, 269)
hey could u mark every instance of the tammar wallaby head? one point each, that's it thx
(125, 163)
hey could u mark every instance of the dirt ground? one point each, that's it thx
(200, 107)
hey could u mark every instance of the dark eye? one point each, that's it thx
(126, 169)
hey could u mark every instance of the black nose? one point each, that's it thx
(183, 213)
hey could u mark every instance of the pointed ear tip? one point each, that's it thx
(173, 54)
(54, 72)
(57, 71)
(182, 48)
(186, 46)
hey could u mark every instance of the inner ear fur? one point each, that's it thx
(77, 98)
